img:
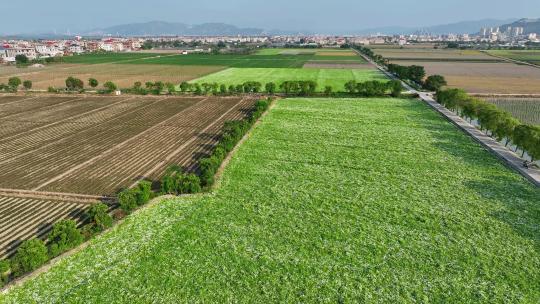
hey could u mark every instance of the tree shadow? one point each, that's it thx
(521, 200)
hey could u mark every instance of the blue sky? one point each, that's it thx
(314, 15)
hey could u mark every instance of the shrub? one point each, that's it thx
(128, 200)
(14, 82)
(30, 256)
(434, 83)
(100, 217)
(223, 89)
(143, 192)
(93, 82)
(110, 86)
(27, 84)
(5, 269)
(395, 88)
(52, 90)
(185, 86)
(270, 88)
(73, 84)
(189, 184)
(328, 90)
(63, 237)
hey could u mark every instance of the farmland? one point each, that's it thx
(324, 77)
(474, 77)
(345, 200)
(98, 145)
(531, 56)
(124, 75)
(437, 55)
(526, 110)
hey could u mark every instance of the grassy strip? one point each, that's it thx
(359, 200)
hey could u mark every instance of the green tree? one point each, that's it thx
(63, 237)
(435, 83)
(93, 82)
(30, 256)
(127, 200)
(5, 269)
(185, 86)
(223, 89)
(21, 59)
(110, 86)
(101, 219)
(73, 84)
(350, 86)
(14, 82)
(395, 88)
(328, 90)
(270, 88)
(27, 84)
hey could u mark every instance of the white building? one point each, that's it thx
(13, 52)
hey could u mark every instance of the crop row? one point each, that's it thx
(24, 218)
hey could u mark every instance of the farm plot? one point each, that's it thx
(329, 200)
(501, 78)
(531, 56)
(324, 77)
(26, 218)
(526, 110)
(437, 55)
(123, 75)
(237, 61)
(50, 156)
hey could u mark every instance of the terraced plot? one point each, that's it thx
(72, 147)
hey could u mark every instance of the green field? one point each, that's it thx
(330, 200)
(270, 60)
(324, 77)
(531, 56)
(96, 58)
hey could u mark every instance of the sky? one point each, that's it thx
(298, 15)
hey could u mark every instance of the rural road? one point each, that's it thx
(492, 145)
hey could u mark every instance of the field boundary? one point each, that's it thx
(228, 158)
(54, 196)
(512, 60)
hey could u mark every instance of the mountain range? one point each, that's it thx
(529, 25)
(161, 28)
(157, 28)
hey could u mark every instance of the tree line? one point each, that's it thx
(497, 123)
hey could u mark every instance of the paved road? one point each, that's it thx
(492, 145)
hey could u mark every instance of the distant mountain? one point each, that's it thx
(464, 27)
(160, 28)
(529, 25)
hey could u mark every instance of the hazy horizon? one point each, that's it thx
(339, 15)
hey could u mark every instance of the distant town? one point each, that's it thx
(494, 37)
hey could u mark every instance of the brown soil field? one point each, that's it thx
(56, 143)
(88, 145)
(435, 54)
(344, 65)
(495, 78)
(22, 219)
(124, 75)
